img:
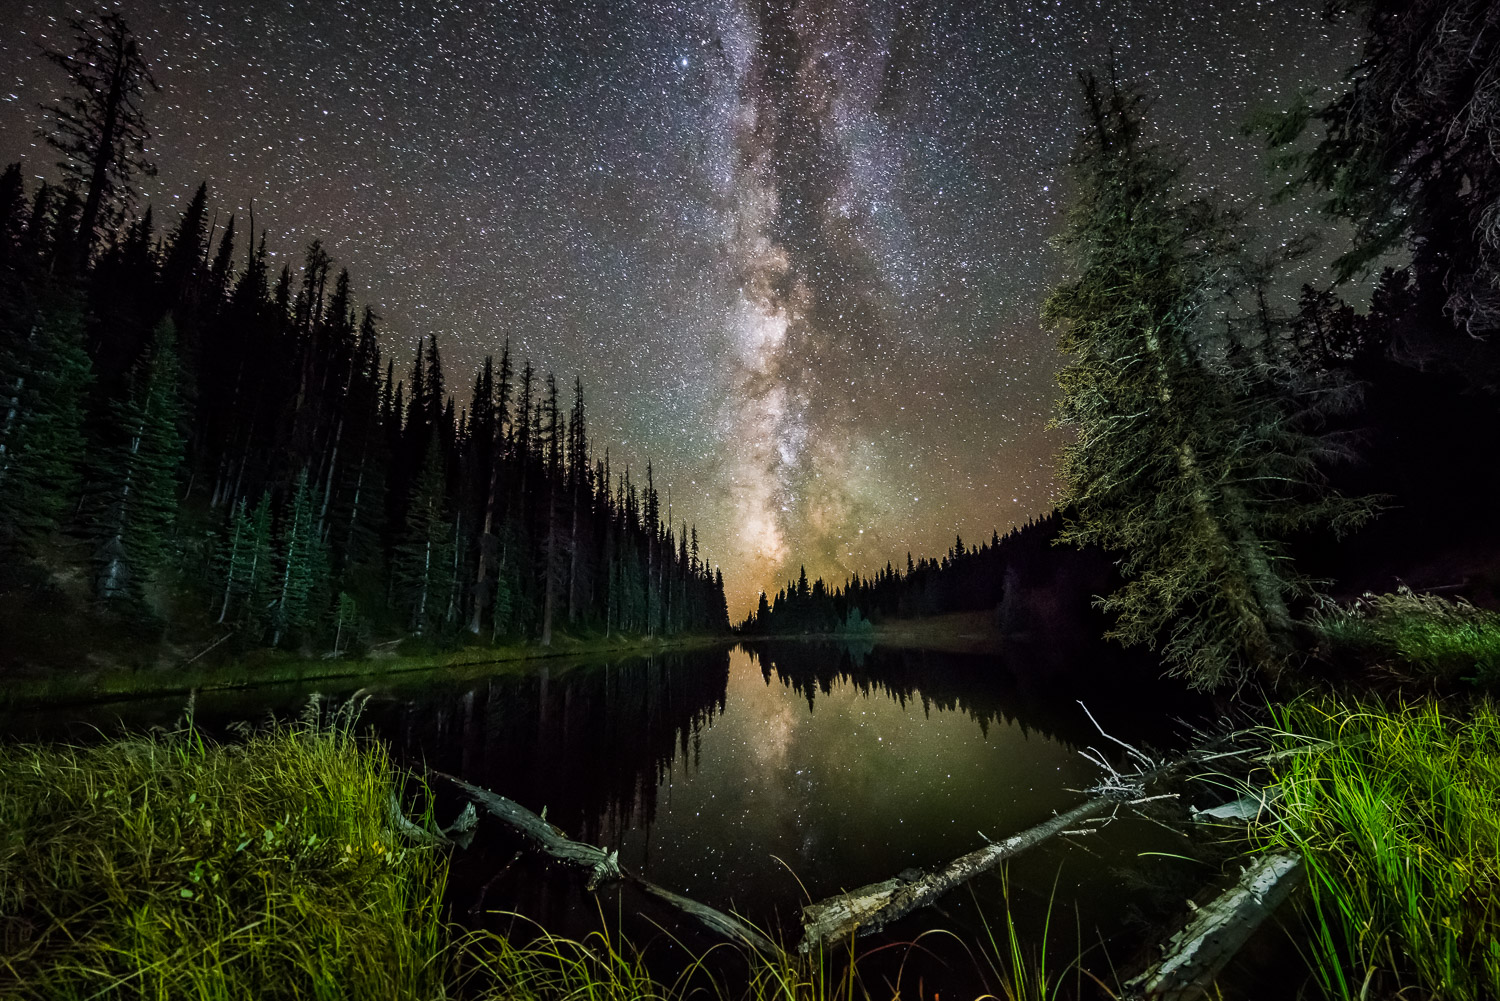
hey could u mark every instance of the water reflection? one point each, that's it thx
(593, 744)
(752, 778)
(1035, 691)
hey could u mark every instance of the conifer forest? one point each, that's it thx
(198, 434)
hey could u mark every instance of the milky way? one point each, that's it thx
(795, 251)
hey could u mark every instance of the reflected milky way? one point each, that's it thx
(795, 251)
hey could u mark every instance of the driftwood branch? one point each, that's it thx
(870, 908)
(206, 649)
(460, 832)
(604, 866)
(1194, 956)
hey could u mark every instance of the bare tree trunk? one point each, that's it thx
(333, 467)
(604, 866)
(870, 908)
(1199, 952)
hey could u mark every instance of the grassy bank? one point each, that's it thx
(268, 667)
(168, 867)
(1395, 811)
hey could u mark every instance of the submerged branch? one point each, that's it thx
(604, 866)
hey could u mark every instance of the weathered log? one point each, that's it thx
(870, 908)
(460, 832)
(1194, 956)
(604, 865)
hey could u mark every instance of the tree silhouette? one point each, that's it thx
(100, 129)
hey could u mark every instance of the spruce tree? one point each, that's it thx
(1186, 463)
(302, 590)
(44, 374)
(140, 474)
(234, 560)
(99, 128)
(244, 565)
(12, 214)
(422, 563)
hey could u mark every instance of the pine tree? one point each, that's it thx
(345, 621)
(43, 378)
(260, 575)
(140, 474)
(100, 129)
(220, 271)
(12, 214)
(243, 565)
(422, 564)
(1185, 463)
(1407, 156)
(502, 610)
(302, 589)
(183, 266)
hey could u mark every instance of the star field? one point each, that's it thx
(795, 251)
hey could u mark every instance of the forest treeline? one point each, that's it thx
(967, 578)
(200, 435)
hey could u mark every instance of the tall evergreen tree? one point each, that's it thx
(304, 566)
(44, 375)
(100, 128)
(135, 523)
(421, 564)
(182, 270)
(1187, 465)
(1407, 156)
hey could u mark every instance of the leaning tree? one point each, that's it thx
(99, 128)
(1191, 461)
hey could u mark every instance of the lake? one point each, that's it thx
(755, 778)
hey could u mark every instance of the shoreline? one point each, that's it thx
(104, 685)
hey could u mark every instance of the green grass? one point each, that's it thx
(166, 866)
(1421, 634)
(1396, 813)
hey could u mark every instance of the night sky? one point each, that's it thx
(795, 251)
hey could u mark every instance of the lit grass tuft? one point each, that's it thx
(166, 866)
(1449, 639)
(1396, 813)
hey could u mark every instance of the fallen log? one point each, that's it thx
(604, 866)
(870, 908)
(1196, 955)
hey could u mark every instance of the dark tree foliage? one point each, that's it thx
(1196, 454)
(44, 376)
(100, 128)
(138, 475)
(240, 448)
(964, 579)
(1408, 156)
